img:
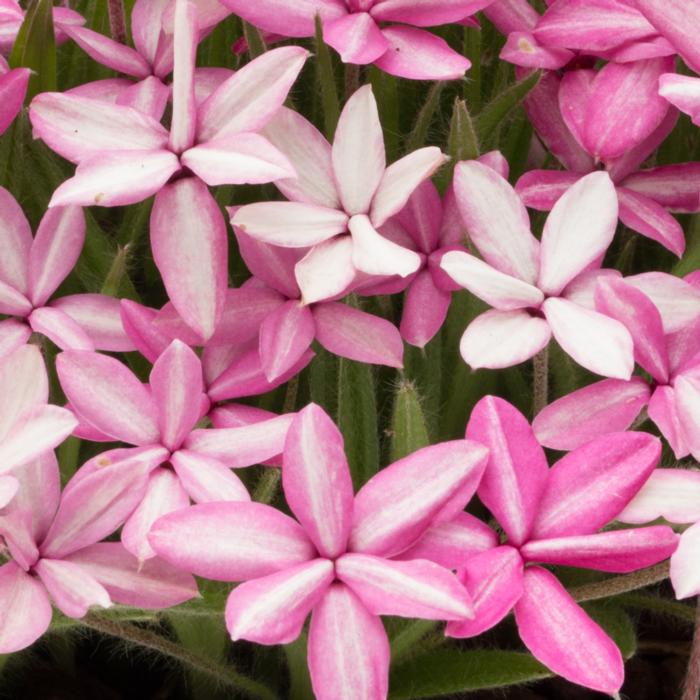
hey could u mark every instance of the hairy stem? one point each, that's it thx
(621, 584)
(117, 25)
(352, 79)
(540, 380)
(691, 688)
(149, 640)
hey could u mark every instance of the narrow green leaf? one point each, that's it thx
(472, 50)
(617, 623)
(35, 48)
(450, 671)
(117, 273)
(386, 92)
(656, 604)
(495, 112)
(418, 135)
(691, 259)
(68, 453)
(299, 678)
(409, 431)
(462, 142)
(408, 634)
(326, 79)
(323, 380)
(253, 37)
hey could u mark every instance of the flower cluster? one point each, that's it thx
(223, 357)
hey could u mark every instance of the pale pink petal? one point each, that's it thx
(497, 220)
(597, 342)
(608, 406)
(23, 385)
(206, 479)
(397, 505)
(116, 178)
(516, 473)
(683, 92)
(562, 636)
(327, 270)
(523, 49)
(250, 98)
(540, 189)
(685, 573)
(17, 242)
(207, 79)
(420, 55)
(348, 649)
(498, 339)
(357, 335)
(79, 127)
(495, 581)
(12, 302)
(13, 90)
(107, 90)
(60, 329)
(13, 334)
(186, 38)
(106, 394)
(292, 224)
(152, 584)
(674, 187)
(273, 609)
(25, 610)
(356, 37)
(149, 96)
(190, 248)
(230, 541)
(238, 159)
(687, 391)
(425, 308)
(644, 215)
(588, 487)
(663, 411)
(428, 13)
(8, 489)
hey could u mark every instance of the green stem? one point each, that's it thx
(540, 380)
(117, 25)
(621, 584)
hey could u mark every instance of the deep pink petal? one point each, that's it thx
(674, 187)
(428, 13)
(682, 91)
(424, 310)
(540, 189)
(523, 49)
(13, 89)
(574, 100)
(356, 37)
(663, 411)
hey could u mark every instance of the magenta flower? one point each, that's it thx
(160, 419)
(124, 156)
(343, 194)
(55, 555)
(334, 561)
(537, 290)
(357, 30)
(13, 88)
(31, 270)
(29, 425)
(666, 338)
(552, 517)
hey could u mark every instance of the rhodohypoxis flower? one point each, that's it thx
(343, 194)
(112, 404)
(356, 29)
(666, 345)
(31, 269)
(552, 516)
(124, 156)
(537, 290)
(334, 561)
(29, 425)
(53, 541)
(13, 88)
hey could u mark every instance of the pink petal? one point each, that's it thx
(23, 384)
(316, 480)
(206, 479)
(229, 541)
(190, 248)
(498, 339)
(420, 55)
(60, 329)
(663, 411)
(250, 98)
(107, 90)
(451, 544)
(17, 242)
(516, 473)
(540, 189)
(238, 159)
(348, 648)
(574, 100)
(13, 90)
(494, 579)
(8, 489)
(425, 308)
(244, 311)
(356, 37)
(292, 224)
(25, 610)
(397, 505)
(608, 406)
(682, 91)
(357, 335)
(687, 391)
(106, 394)
(426, 14)
(117, 178)
(273, 609)
(186, 38)
(79, 127)
(13, 334)
(588, 487)
(150, 584)
(597, 342)
(563, 637)
(497, 220)
(671, 186)
(685, 574)
(149, 96)
(523, 49)
(327, 270)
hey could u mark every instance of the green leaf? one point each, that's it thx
(35, 48)
(408, 427)
(117, 273)
(299, 678)
(656, 604)
(691, 259)
(253, 37)
(617, 623)
(326, 79)
(462, 142)
(495, 112)
(418, 135)
(473, 51)
(450, 671)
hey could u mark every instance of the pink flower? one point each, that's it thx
(552, 516)
(343, 194)
(537, 290)
(125, 156)
(13, 88)
(52, 540)
(356, 29)
(160, 419)
(335, 560)
(662, 313)
(29, 426)
(31, 269)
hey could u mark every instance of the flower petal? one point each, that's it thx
(327, 270)
(425, 308)
(206, 479)
(185, 39)
(356, 37)
(17, 243)
(685, 573)
(541, 189)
